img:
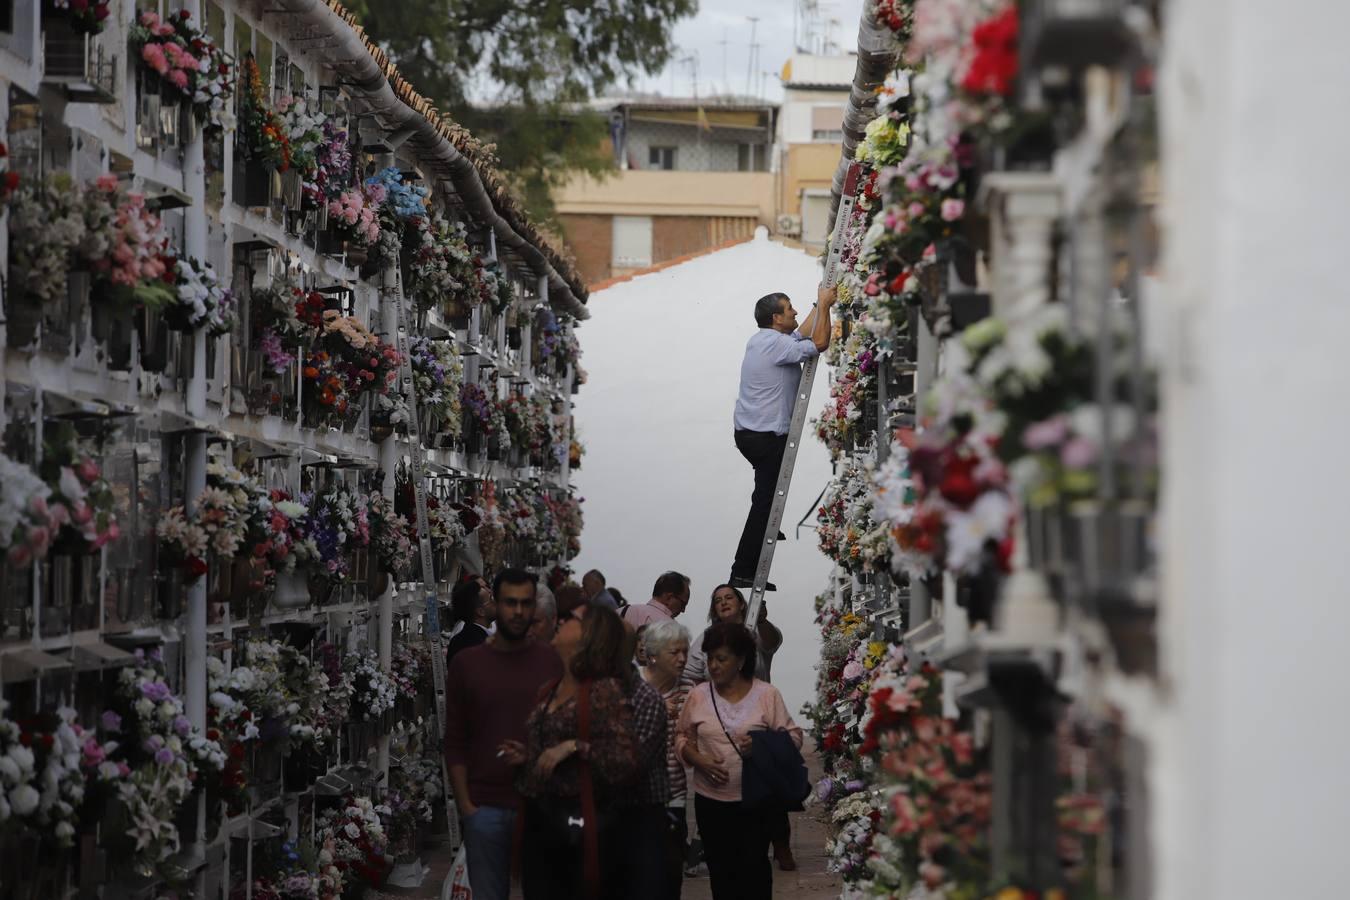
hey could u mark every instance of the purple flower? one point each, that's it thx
(164, 756)
(157, 691)
(825, 787)
(111, 721)
(182, 726)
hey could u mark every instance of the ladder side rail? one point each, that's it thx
(418, 474)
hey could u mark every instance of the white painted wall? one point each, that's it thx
(663, 483)
(795, 115)
(1252, 786)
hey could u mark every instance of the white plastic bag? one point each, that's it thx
(456, 886)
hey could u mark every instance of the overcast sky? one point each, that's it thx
(723, 68)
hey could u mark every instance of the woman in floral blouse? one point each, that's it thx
(557, 850)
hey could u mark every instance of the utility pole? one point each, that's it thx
(750, 62)
(726, 79)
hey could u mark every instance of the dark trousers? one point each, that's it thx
(736, 847)
(764, 451)
(552, 865)
(650, 854)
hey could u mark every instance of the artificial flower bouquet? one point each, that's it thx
(338, 523)
(189, 63)
(43, 765)
(81, 499)
(162, 756)
(125, 247)
(29, 523)
(199, 299)
(438, 376)
(441, 265)
(263, 135)
(286, 319)
(373, 690)
(46, 227)
(359, 844)
(393, 537)
(354, 216)
(348, 362)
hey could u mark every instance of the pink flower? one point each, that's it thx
(1048, 433)
(107, 183)
(916, 209)
(149, 19)
(1078, 453)
(60, 515)
(953, 209)
(87, 469)
(153, 55)
(178, 79)
(20, 556)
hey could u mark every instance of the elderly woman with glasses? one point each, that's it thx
(665, 647)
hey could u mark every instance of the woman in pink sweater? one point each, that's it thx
(713, 735)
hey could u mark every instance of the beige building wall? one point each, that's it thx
(650, 192)
(806, 167)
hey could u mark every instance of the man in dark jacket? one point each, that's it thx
(472, 604)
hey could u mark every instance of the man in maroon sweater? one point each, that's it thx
(490, 690)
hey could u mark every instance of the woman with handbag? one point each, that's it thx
(714, 737)
(579, 752)
(728, 605)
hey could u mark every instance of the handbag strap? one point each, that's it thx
(712, 695)
(590, 828)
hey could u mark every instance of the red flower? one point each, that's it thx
(958, 483)
(993, 66)
(196, 566)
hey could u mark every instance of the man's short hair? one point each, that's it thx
(513, 576)
(595, 573)
(767, 307)
(670, 583)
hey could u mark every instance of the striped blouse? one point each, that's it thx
(674, 699)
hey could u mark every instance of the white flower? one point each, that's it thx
(23, 758)
(24, 800)
(70, 486)
(145, 708)
(9, 771)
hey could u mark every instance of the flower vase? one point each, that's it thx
(356, 254)
(494, 447)
(292, 194)
(154, 339)
(379, 583)
(253, 183)
(292, 591)
(514, 337)
(381, 428)
(457, 313)
(22, 319)
(110, 326)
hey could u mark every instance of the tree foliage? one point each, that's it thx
(516, 73)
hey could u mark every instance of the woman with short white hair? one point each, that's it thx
(665, 646)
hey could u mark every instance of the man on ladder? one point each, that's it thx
(770, 375)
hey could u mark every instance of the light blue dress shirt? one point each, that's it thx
(770, 374)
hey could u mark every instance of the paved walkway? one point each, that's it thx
(809, 882)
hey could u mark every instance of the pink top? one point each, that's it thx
(762, 709)
(647, 613)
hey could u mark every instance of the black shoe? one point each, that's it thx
(781, 536)
(739, 582)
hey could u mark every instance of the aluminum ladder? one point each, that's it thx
(847, 200)
(432, 622)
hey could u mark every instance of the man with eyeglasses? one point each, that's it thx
(670, 596)
(770, 373)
